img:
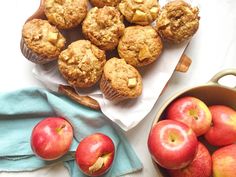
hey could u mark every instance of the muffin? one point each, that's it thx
(81, 64)
(140, 45)
(102, 3)
(65, 14)
(141, 12)
(41, 42)
(178, 21)
(103, 27)
(120, 81)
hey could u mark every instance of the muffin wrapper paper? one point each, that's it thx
(32, 56)
(109, 92)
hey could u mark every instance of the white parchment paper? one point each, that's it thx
(129, 113)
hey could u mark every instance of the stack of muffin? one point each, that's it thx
(83, 63)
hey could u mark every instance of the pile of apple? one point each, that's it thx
(174, 142)
(52, 137)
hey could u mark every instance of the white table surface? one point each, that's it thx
(212, 49)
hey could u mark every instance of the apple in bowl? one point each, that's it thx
(224, 161)
(201, 166)
(51, 138)
(172, 144)
(223, 129)
(95, 154)
(191, 111)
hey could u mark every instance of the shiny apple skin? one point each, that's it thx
(223, 129)
(224, 161)
(191, 111)
(201, 166)
(90, 149)
(172, 144)
(51, 138)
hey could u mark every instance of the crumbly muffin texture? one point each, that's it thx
(102, 3)
(65, 14)
(123, 78)
(141, 12)
(81, 64)
(103, 26)
(140, 45)
(178, 21)
(43, 38)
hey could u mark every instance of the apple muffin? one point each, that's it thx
(178, 21)
(65, 14)
(141, 12)
(120, 81)
(81, 64)
(102, 3)
(41, 42)
(103, 27)
(140, 45)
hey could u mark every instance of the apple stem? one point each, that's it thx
(172, 138)
(60, 128)
(195, 117)
(193, 113)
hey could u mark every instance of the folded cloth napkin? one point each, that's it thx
(21, 110)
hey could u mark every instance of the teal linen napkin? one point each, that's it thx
(21, 110)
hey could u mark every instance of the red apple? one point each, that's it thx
(223, 129)
(224, 161)
(95, 154)
(191, 111)
(172, 144)
(201, 166)
(51, 138)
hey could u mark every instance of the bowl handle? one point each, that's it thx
(215, 79)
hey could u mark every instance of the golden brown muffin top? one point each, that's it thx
(81, 64)
(123, 77)
(141, 12)
(104, 26)
(140, 45)
(178, 21)
(65, 13)
(43, 38)
(102, 3)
